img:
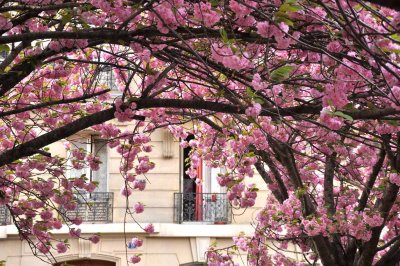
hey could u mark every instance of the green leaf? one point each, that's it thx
(259, 100)
(393, 122)
(397, 51)
(250, 154)
(149, 70)
(7, 15)
(252, 95)
(331, 104)
(371, 106)
(289, 8)
(349, 106)
(395, 37)
(281, 73)
(250, 92)
(4, 48)
(66, 16)
(275, 217)
(296, 221)
(214, 3)
(252, 120)
(387, 50)
(300, 192)
(84, 24)
(254, 189)
(341, 114)
(282, 17)
(224, 35)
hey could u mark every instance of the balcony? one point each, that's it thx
(96, 207)
(202, 207)
(5, 217)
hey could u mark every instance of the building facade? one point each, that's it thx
(187, 217)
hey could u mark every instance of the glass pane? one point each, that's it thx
(100, 150)
(78, 144)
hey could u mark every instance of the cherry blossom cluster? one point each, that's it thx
(305, 94)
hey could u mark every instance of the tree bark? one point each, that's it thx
(31, 147)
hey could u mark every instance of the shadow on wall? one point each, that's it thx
(86, 263)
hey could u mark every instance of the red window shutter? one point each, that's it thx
(199, 195)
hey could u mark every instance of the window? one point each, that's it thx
(107, 79)
(99, 148)
(203, 202)
(214, 204)
(98, 205)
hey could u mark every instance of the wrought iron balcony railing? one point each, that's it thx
(202, 207)
(96, 207)
(5, 216)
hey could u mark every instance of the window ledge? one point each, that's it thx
(160, 229)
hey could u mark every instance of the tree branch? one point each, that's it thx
(31, 147)
(330, 165)
(371, 180)
(383, 205)
(271, 165)
(268, 180)
(392, 256)
(47, 104)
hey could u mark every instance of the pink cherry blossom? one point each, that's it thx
(139, 184)
(138, 207)
(137, 242)
(61, 247)
(134, 259)
(126, 192)
(94, 239)
(149, 228)
(304, 97)
(254, 110)
(73, 232)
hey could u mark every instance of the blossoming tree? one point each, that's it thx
(305, 92)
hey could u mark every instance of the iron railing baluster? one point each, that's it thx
(95, 207)
(5, 216)
(202, 207)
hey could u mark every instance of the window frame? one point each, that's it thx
(90, 141)
(211, 199)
